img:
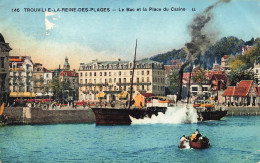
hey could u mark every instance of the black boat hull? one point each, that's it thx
(121, 116)
(211, 115)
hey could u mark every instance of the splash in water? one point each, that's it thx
(173, 115)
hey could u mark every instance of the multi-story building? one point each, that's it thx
(21, 71)
(256, 70)
(114, 77)
(4, 70)
(71, 79)
(41, 77)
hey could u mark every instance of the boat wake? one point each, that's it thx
(173, 115)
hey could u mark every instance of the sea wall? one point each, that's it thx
(27, 115)
(243, 111)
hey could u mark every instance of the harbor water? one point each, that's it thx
(232, 139)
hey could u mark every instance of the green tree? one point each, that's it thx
(174, 80)
(236, 76)
(199, 76)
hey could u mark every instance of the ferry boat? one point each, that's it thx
(119, 115)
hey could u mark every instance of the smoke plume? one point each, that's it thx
(200, 40)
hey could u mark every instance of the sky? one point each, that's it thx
(48, 37)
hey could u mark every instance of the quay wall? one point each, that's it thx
(28, 115)
(243, 111)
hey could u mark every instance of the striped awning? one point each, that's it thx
(22, 94)
(122, 94)
(101, 95)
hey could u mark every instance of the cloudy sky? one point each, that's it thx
(84, 36)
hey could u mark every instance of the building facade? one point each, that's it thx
(256, 70)
(114, 77)
(41, 78)
(21, 72)
(4, 70)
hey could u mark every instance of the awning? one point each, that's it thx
(22, 94)
(101, 95)
(122, 94)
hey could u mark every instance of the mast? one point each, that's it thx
(188, 96)
(131, 88)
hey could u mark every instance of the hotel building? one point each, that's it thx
(110, 78)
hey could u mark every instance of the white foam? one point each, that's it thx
(173, 115)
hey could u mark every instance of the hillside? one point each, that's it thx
(224, 46)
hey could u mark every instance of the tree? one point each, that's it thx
(236, 76)
(174, 80)
(199, 76)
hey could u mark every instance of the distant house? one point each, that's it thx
(218, 82)
(246, 48)
(224, 62)
(244, 93)
(256, 70)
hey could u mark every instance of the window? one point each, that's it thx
(2, 62)
(105, 73)
(114, 73)
(109, 73)
(119, 73)
(114, 80)
(110, 80)
(148, 80)
(256, 71)
(137, 80)
(194, 88)
(105, 80)
(95, 81)
(142, 79)
(114, 88)
(131, 72)
(86, 81)
(86, 74)
(81, 74)
(90, 96)
(124, 80)
(95, 74)
(81, 81)
(148, 87)
(90, 74)
(119, 80)
(137, 72)
(124, 73)
(204, 88)
(142, 87)
(142, 72)
(100, 74)
(47, 75)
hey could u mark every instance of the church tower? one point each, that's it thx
(66, 65)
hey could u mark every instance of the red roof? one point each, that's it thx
(226, 56)
(229, 91)
(69, 73)
(146, 95)
(240, 91)
(220, 77)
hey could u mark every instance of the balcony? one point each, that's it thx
(92, 84)
(136, 83)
